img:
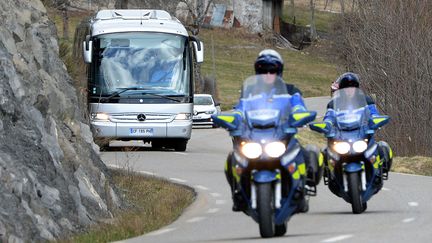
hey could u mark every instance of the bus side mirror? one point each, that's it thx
(87, 49)
(199, 51)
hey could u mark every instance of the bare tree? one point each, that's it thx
(313, 32)
(389, 43)
(121, 4)
(198, 10)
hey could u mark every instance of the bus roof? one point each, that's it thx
(130, 20)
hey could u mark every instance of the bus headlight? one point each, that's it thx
(359, 146)
(100, 116)
(275, 149)
(251, 150)
(341, 147)
(183, 116)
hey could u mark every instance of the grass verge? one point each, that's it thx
(152, 204)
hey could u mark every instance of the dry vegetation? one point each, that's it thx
(389, 43)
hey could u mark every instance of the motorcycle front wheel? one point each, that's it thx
(354, 188)
(265, 207)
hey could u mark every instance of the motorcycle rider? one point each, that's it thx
(349, 80)
(270, 64)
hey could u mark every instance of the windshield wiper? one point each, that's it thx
(122, 91)
(138, 88)
(162, 96)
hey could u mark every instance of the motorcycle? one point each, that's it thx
(267, 162)
(353, 166)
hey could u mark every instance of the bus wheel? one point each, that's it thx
(180, 145)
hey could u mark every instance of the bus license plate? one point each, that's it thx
(141, 131)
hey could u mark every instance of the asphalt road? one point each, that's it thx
(401, 212)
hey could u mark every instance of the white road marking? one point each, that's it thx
(147, 172)
(180, 153)
(178, 180)
(215, 194)
(213, 210)
(219, 202)
(195, 219)
(338, 238)
(408, 220)
(413, 204)
(385, 189)
(160, 232)
(202, 187)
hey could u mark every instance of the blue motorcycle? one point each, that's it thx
(267, 161)
(353, 165)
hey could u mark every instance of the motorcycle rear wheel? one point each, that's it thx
(265, 207)
(354, 188)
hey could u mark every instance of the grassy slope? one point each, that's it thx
(235, 52)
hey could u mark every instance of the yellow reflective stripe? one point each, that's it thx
(278, 176)
(296, 175)
(238, 112)
(226, 166)
(320, 125)
(302, 169)
(377, 120)
(377, 162)
(320, 159)
(229, 119)
(391, 153)
(302, 115)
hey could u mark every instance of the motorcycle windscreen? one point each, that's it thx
(351, 109)
(265, 101)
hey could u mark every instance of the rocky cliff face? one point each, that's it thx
(51, 179)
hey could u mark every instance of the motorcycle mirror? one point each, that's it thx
(228, 121)
(321, 127)
(298, 119)
(378, 121)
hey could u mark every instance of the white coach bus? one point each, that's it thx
(140, 77)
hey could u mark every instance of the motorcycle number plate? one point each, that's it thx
(141, 131)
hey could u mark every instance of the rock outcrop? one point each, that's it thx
(52, 181)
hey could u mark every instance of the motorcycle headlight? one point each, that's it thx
(341, 147)
(275, 149)
(359, 146)
(251, 150)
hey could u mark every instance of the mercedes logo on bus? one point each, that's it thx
(141, 117)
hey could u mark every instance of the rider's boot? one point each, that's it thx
(238, 201)
(314, 165)
(386, 155)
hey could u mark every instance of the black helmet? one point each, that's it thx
(348, 79)
(269, 61)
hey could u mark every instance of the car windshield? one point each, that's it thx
(203, 100)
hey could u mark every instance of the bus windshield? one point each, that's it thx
(155, 62)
